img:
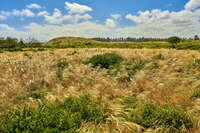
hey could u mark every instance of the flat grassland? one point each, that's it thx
(148, 91)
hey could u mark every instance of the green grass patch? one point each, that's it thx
(129, 102)
(151, 115)
(63, 117)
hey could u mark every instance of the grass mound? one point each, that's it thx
(62, 117)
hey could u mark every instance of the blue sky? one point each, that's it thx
(46, 19)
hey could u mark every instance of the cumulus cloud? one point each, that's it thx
(43, 13)
(23, 12)
(147, 17)
(59, 18)
(6, 27)
(34, 6)
(110, 23)
(116, 16)
(2, 17)
(192, 4)
(77, 8)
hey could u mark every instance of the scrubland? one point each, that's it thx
(142, 90)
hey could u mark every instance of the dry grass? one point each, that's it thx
(172, 82)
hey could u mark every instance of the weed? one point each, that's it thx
(159, 57)
(129, 102)
(135, 66)
(154, 65)
(196, 93)
(27, 55)
(60, 67)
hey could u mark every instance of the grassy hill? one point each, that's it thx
(75, 42)
(69, 41)
(100, 90)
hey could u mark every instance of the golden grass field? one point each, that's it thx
(170, 80)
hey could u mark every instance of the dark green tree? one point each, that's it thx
(196, 37)
(174, 40)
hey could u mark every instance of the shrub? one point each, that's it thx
(105, 60)
(62, 117)
(151, 115)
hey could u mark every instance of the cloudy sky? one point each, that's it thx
(47, 19)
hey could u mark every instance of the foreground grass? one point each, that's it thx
(139, 87)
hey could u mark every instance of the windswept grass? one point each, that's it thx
(165, 77)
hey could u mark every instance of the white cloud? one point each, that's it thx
(110, 23)
(24, 12)
(6, 27)
(192, 4)
(116, 16)
(2, 17)
(56, 18)
(34, 6)
(43, 13)
(77, 8)
(59, 18)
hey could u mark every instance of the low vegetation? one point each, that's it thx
(151, 115)
(64, 116)
(100, 90)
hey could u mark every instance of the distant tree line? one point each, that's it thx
(14, 42)
(140, 39)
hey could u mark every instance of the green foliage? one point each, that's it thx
(106, 60)
(63, 117)
(174, 40)
(151, 115)
(196, 93)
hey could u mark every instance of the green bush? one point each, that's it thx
(106, 60)
(62, 117)
(151, 115)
